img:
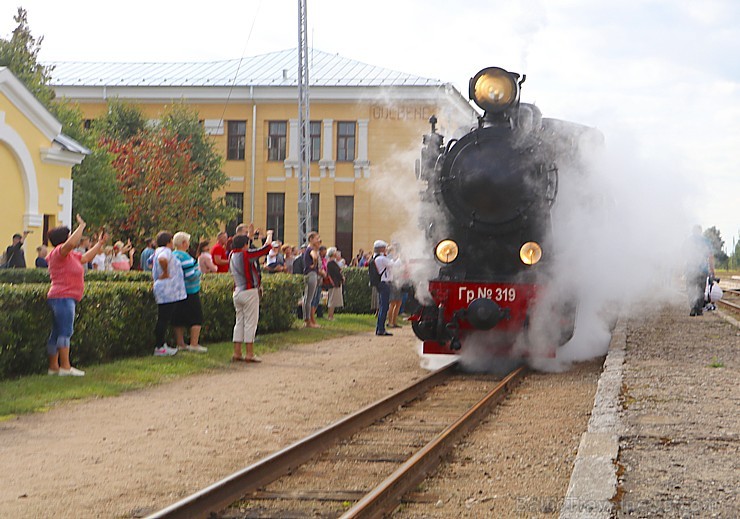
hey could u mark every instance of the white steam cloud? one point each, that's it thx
(618, 223)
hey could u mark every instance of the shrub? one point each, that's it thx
(18, 276)
(357, 291)
(116, 319)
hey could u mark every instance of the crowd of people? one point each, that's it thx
(177, 276)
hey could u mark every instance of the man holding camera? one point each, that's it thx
(14, 255)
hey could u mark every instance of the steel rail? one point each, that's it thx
(387, 496)
(230, 489)
(731, 305)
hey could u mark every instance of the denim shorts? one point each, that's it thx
(63, 313)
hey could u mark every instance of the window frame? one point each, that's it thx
(315, 140)
(277, 142)
(346, 143)
(278, 225)
(236, 143)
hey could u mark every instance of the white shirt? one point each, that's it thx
(384, 265)
(98, 261)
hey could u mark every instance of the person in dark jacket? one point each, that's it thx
(14, 255)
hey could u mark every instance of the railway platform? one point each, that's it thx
(664, 435)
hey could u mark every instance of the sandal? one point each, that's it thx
(238, 359)
(253, 359)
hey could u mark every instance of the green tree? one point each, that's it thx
(20, 55)
(716, 243)
(182, 121)
(122, 122)
(96, 193)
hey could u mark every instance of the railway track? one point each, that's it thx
(363, 465)
(731, 300)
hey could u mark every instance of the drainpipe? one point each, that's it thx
(254, 150)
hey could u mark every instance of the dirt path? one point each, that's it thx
(136, 453)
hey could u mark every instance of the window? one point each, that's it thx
(235, 200)
(276, 214)
(345, 141)
(344, 224)
(315, 131)
(276, 140)
(237, 140)
(314, 212)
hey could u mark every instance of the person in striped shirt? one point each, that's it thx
(247, 281)
(189, 312)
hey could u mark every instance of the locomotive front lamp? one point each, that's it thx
(494, 89)
(446, 251)
(530, 253)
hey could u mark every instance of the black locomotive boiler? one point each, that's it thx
(490, 195)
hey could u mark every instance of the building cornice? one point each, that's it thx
(61, 157)
(29, 106)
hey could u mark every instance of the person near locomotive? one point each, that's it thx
(169, 290)
(384, 265)
(311, 263)
(395, 297)
(699, 266)
(247, 280)
(67, 288)
(189, 312)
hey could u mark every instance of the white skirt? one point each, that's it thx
(335, 299)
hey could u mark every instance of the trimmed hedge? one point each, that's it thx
(116, 319)
(357, 291)
(34, 275)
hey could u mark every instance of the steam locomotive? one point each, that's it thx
(487, 212)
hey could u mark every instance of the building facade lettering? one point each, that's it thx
(401, 113)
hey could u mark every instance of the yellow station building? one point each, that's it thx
(36, 162)
(366, 128)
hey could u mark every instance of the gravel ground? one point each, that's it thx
(518, 463)
(680, 455)
(136, 453)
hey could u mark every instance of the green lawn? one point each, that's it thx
(40, 392)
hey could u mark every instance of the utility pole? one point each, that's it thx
(304, 124)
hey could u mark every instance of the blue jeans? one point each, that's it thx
(384, 293)
(63, 311)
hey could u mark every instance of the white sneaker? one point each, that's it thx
(197, 348)
(165, 351)
(71, 372)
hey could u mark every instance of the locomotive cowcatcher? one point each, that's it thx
(487, 214)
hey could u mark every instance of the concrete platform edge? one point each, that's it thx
(593, 482)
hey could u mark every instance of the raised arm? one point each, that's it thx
(74, 238)
(95, 250)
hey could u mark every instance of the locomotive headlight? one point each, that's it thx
(530, 253)
(446, 251)
(494, 89)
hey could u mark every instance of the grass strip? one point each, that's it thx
(41, 392)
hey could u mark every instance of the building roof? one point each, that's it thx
(272, 69)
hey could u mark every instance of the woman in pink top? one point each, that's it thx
(67, 286)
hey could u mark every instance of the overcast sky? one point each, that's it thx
(660, 78)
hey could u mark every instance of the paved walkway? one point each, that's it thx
(664, 434)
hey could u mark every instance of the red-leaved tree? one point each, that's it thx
(155, 174)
